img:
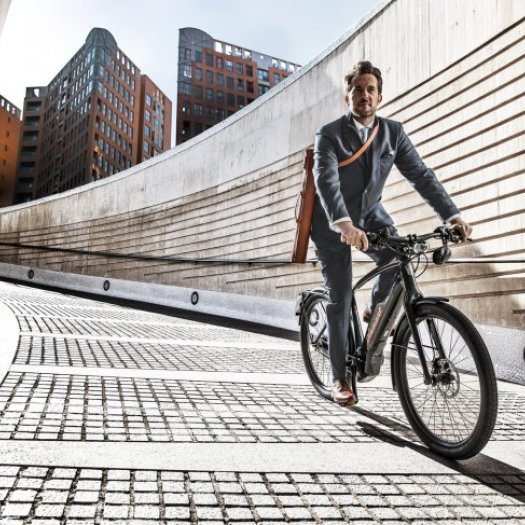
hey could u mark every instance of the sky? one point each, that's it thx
(40, 36)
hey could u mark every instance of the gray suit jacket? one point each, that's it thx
(355, 190)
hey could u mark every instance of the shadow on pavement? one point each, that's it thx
(497, 475)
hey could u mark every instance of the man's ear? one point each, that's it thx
(347, 99)
(379, 99)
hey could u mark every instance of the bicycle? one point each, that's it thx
(440, 366)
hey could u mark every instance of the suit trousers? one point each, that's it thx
(336, 266)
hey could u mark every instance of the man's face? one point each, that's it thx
(364, 97)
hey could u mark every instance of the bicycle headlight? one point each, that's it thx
(441, 255)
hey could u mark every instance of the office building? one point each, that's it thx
(216, 79)
(155, 128)
(86, 124)
(10, 125)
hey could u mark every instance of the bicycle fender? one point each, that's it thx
(430, 300)
(304, 298)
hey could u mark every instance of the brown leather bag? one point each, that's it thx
(304, 208)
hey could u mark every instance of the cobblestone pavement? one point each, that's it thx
(90, 372)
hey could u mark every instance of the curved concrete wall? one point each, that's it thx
(453, 74)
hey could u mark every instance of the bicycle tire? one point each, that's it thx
(315, 357)
(460, 420)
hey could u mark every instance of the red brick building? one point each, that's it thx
(155, 111)
(216, 79)
(10, 125)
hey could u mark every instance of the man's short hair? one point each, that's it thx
(363, 67)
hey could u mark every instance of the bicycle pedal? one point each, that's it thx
(365, 378)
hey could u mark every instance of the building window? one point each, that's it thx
(249, 71)
(145, 147)
(209, 77)
(240, 68)
(209, 60)
(147, 114)
(198, 56)
(249, 85)
(210, 112)
(240, 101)
(276, 78)
(198, 73)
(186, 71)
(209, 94)
(147, 131)
(220, 115)
(263, 89)
(198, 110)
(220, 97)
(229, 82)
(219, 78)
(219, 63)
(229, 65)
(198, 128)
(185, 88)
(230, 99)
(262, 74)
(240, 84)
(198, 91)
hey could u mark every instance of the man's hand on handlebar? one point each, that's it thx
(353, 236)
(462, 228)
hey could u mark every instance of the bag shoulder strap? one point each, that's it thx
(361, 150)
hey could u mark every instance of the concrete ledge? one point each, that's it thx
(270, 312)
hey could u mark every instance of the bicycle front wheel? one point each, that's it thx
(455, 413)
(314, 345)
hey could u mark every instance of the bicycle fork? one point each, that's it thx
(412, 297)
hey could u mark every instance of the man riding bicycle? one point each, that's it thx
(348, 203)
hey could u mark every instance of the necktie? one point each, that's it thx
(364, 134)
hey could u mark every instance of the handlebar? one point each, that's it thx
(383, 238)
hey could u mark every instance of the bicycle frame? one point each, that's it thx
(404, 294)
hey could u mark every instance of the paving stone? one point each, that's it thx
(326, 512)
(356, 513)
(21, 496)
(50, 510)
(86, 497)
(173, 486)
(146, 512)
(269, 513)
(177, 512)
(239, 514)
(116, 511)
(262, 500)
(82, 511)
(209, 513)
(117, 498)
(16, 509)
(205, 499)
(298, 513)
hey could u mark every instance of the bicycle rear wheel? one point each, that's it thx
(455, 414)
(314, 345)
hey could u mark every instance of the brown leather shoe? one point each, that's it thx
(342, 393)
(367, 314)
